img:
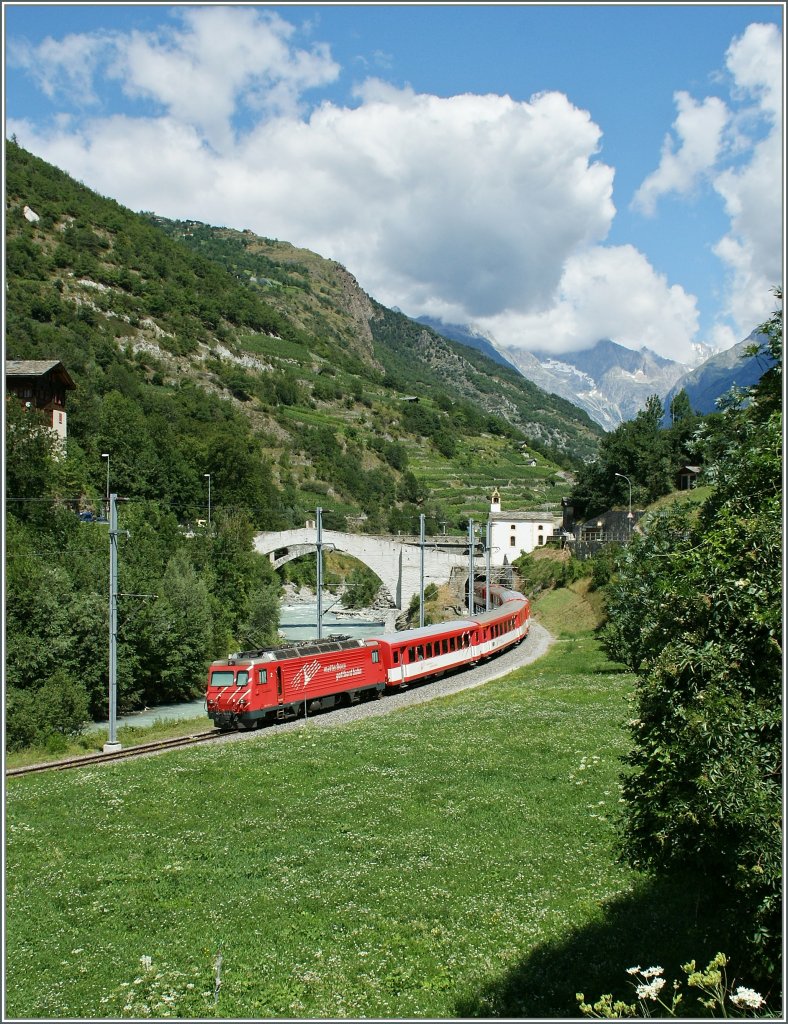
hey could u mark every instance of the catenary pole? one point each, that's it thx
(470, 568)
(113, 621)
(319, 523)
(421, 569)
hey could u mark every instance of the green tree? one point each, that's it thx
(639, 449)
(696, 610)
(178, 634)
(362, 588)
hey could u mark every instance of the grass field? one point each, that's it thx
(453, 859)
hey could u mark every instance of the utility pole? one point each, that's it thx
(421, 569)
(209, 500)
(105, 455)
(487, 560)
(470, 568)
(319, 522)
(629, 514)
(112, 743)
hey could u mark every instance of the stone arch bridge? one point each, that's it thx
(395, 560)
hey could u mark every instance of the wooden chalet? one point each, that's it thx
(41, 384)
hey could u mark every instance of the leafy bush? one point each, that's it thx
(695, 608)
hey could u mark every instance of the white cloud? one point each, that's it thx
(752, 191)
(471, 203)
(472, 208)
(63, 66)
(222, 57)
(606, 292)
(699, 127)
(738, 152)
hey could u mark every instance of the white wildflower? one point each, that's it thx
(650, 991)
(652, 972)
(634, 970)
(147, 962)
(747, 997)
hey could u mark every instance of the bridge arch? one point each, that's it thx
(394, 560)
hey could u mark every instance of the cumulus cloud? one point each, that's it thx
(699, 127)
(738, 151)
(752, 190)
(473, 208)
(221, 56)
(606, 292)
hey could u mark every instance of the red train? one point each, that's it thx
(252, 687)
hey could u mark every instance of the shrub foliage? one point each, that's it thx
(695, 610)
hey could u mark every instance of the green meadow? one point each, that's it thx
(452, 859)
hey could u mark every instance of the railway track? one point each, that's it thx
(118, 755)
(537, 644)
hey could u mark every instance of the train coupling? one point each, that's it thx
(225, 720)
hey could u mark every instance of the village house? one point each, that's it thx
(41, 384)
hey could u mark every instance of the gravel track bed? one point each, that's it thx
(534, 646)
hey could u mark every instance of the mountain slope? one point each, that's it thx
(609, 381)
(723, 371)
(466, 336)
(189, 343)
(327, 302)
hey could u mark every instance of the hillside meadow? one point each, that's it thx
(455, 859)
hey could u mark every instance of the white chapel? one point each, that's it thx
(515, 533)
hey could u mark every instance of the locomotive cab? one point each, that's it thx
(234, 690)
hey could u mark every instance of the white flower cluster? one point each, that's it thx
(147, 963)
(652, 989)
(747, 997)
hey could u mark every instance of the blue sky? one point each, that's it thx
(550, 174)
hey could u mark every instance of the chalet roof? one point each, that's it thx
(522, 517)
(38, 368)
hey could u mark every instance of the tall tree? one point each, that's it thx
(696, 610)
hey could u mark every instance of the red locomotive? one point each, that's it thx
(252, 687)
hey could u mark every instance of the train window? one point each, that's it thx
(420, 653)
(223, 677)
(452, 643)
(395, 657)
(262, 676)
(445, 646)
(243, 678)
(429, 650)
(411, 654)
(375, 657)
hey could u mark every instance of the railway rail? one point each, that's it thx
(138, 750)
(538, 642)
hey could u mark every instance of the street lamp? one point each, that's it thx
(105, 455)
(208, 475)
(629, 514)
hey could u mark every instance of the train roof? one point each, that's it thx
(425, 632)
(495, 613)
(293, 651)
